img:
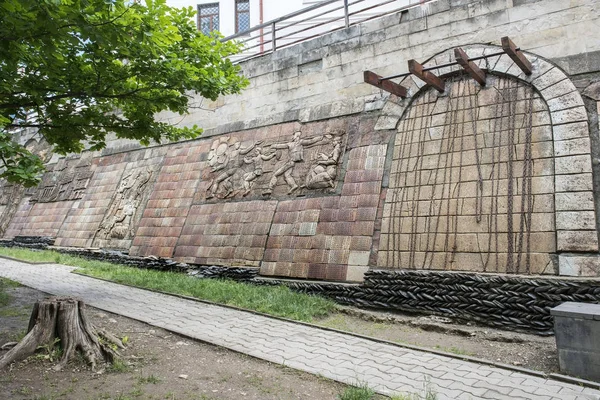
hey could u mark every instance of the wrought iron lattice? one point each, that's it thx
(242, 15)
(208, 17)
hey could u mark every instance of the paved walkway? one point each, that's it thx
(388, 369)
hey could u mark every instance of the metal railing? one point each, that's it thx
(314, 21)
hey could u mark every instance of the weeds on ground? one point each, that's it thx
(51, 351)
(148, 379)
(428, 393)
(358, 392)
(274, 300)
(118, 365)
(454, 350)
(5, 284)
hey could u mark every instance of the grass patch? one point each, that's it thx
(454, 350)
(51, 256)
(14, 312)
(118, 366)
(5, 284)
(148, 379)
(274, 300)
(360, 392)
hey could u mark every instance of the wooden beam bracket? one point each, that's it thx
(472, 69)
(373, 79)
(516, 55)
(428, 77)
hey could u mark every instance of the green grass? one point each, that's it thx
(148, 379)
(5, 284)
(118, 366)
(359, 392)
(454, 350)
(274, 300)
(50, 256)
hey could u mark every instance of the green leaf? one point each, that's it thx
(89, 68)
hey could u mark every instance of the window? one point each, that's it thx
(208, 17)
(242, 15)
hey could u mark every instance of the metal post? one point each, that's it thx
(346, 16)
(273, 37)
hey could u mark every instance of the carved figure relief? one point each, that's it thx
(67, 180)
(11, 194)
(228, 163)
(323, 172)
(295, 150)
(118, 222)
(257, 161)
(254, 167)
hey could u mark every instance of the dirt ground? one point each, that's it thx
(162, 365)
(158, 365)
(443, 334)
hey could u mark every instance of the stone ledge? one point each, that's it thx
(580, 265)
(577, 310)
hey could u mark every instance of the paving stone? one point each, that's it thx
(349, 359)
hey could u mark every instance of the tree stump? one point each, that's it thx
(63, 318)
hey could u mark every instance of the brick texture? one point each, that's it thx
(19, 219)
(45, 219)
(341, 226)
(170, 201)
(226, 234)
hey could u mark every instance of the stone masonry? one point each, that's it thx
(311, 173)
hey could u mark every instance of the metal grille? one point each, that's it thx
(242, 15)
(208, 17)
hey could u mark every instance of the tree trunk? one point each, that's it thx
(64, 319)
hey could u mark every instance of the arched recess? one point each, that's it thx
(493, 179)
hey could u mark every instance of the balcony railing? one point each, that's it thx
(314, 21)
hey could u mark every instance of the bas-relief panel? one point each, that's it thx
(293, 166)
(11, 194)
(118, 226)
(66, 180)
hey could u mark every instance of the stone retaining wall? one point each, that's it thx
(311, 173)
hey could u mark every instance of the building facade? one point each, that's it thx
(232, 17)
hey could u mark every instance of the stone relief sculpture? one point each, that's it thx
(11, 194)
(322, 174)
(258, 160)
(229, 163)
(243, 168)
(118, 222)
(67, 180)
(295, 155)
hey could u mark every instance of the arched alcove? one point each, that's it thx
(489, 179)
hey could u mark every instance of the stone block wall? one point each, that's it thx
(229, 233)
(329, 237)
(334, 200)
(170, 201)
(472, 182)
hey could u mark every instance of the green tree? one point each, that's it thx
(77, 70)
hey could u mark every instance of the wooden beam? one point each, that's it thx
(463, 60)
(373, 79)
(428, 77)
(516, 55)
